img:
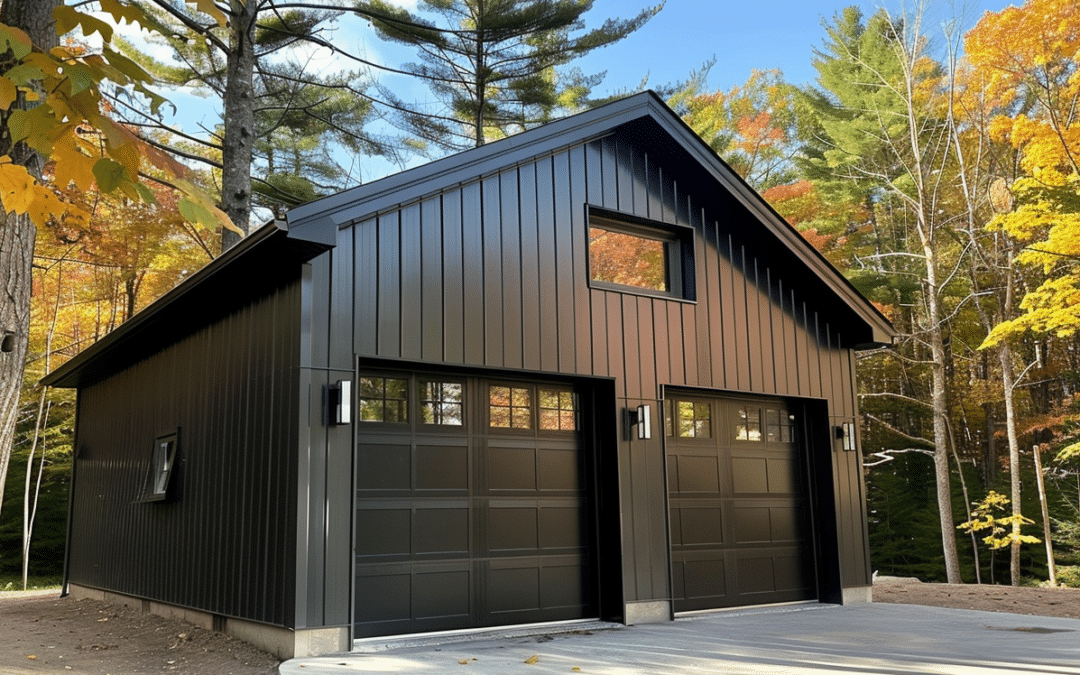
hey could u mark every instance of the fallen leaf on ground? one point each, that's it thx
(532, 659)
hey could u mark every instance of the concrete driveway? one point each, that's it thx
(794, 640)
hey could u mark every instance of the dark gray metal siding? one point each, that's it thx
(509, 253)
(226, 541)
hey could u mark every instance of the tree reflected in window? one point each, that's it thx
(628, 260)
(384, 399)
(440, 403)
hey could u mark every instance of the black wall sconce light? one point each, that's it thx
(639, 419)
(846, 434)
(339, 402)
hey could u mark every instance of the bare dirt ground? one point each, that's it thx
(62, 636)
(1037, 601)
(47, 634)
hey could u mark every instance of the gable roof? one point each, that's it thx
(645, 116)
(312, 228)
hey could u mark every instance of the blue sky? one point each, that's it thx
(743, 35)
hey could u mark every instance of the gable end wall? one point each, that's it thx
(493, 273)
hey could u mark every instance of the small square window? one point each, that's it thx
(557, 410)
(441, 403)
(779, 426)
(635, 255)
(162, 463)
(510, 407)
(694, 419)
(748, 426)
(384, 399)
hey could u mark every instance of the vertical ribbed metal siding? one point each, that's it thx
(514, 294)
(225, 542)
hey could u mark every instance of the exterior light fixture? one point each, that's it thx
(339, 402)
(846, 434)
(641, 418)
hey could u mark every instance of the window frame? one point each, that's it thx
(417, 386)
(162, 472)
(678, 241)
(358, 398)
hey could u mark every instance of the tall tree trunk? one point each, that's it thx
(481, 76)
(1051, 567)
(1008, 383)
(17, 235)
(239, 120)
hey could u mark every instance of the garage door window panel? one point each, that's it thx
(442, 403)
(384, 400)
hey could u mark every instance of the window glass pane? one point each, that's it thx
(748, 426)
(772, 425)
(384, 399)
(753, 424)
(500, 416)
(520, 418)
(510, 407)
(694, 419)
(440, 403)
(162, 466)
(627, 259)
(557, 410)
(787, 429)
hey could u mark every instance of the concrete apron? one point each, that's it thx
(793, 640)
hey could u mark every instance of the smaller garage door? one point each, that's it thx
(472, 507)
(741, 531)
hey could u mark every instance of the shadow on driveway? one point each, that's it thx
(799, 640)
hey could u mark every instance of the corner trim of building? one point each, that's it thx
(284, 643)
(651, 611)
(857, 596)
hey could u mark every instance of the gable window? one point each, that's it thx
(639, 256)
(162, 461)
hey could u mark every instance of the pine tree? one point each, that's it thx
(495, 65)
(279, 121)
(877, 136)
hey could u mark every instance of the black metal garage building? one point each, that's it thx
(580, 372)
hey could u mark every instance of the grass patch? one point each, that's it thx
(45, 583)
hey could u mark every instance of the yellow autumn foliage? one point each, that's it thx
(1028, 57)
(68, 125)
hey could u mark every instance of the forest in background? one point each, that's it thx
(939, 171)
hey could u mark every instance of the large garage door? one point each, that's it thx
(471, 505)
(740, 514)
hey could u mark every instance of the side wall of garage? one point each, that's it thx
(219, 539)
